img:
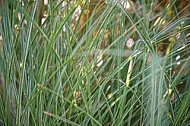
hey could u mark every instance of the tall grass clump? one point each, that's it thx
(94, 62)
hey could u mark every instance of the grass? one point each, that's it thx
(79, 72)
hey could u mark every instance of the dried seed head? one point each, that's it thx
(129, 43)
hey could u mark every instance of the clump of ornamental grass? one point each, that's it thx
(94, 63)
